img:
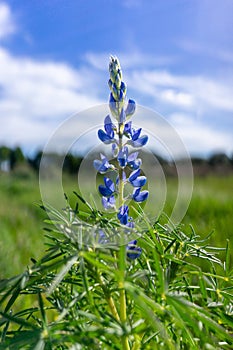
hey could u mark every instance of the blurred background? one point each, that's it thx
(177, 59)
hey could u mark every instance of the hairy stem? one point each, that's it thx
(122, 252)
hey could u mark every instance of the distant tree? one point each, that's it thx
(4, 153)
(35, 161)
(198, 160)
(219, 159)
(16, 157)
(71, 163)
(231, 159)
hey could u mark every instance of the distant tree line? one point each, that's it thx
(11, 158)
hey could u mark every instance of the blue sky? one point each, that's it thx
(176, 55)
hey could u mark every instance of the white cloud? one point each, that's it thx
(198, 137)
(35, 96)
(7, 24)
(178, 98)
(187, 91)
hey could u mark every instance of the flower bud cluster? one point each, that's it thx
(127, 165)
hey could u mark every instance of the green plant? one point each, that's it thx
(97, 287)
(170, 302)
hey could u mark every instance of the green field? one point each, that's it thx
(21, 220)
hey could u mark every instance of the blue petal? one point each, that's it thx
(139, 142)
(132, 156)
(133, 252)
(105, 191)
(130, 108)
(122, 157)
(136, 134)
(108, 203)
(108, 126)
(109, 184)
(124, 219)
(133, 162)
(134, 242)
(101, 165)
(134, 175)
(98, 165)
(122, 116)
(127, 128)
(140, 196)
(123, 214)
(104, 137)
(139, 182)
(136, 164)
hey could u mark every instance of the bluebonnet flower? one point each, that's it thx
(123, 214)
(107, 136)
(109, 188)
(139, 196)
(130, 109)
(124, 159)
(136, 140)
(102, 165)
(123, 156)
(139, 142)
(136, 180)
(133, 251)
(109, 202)
(133, 161)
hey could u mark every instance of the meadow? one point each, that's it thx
(21, 218)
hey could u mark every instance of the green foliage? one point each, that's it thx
(21, 221)
(171, 302)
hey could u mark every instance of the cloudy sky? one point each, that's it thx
(176, 56)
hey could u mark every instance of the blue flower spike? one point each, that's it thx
(127, 165)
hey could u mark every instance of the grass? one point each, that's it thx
(21, 220)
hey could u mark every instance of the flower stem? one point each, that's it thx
(122, 253)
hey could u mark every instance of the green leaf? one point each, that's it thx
(62, 274)
(18, 320)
